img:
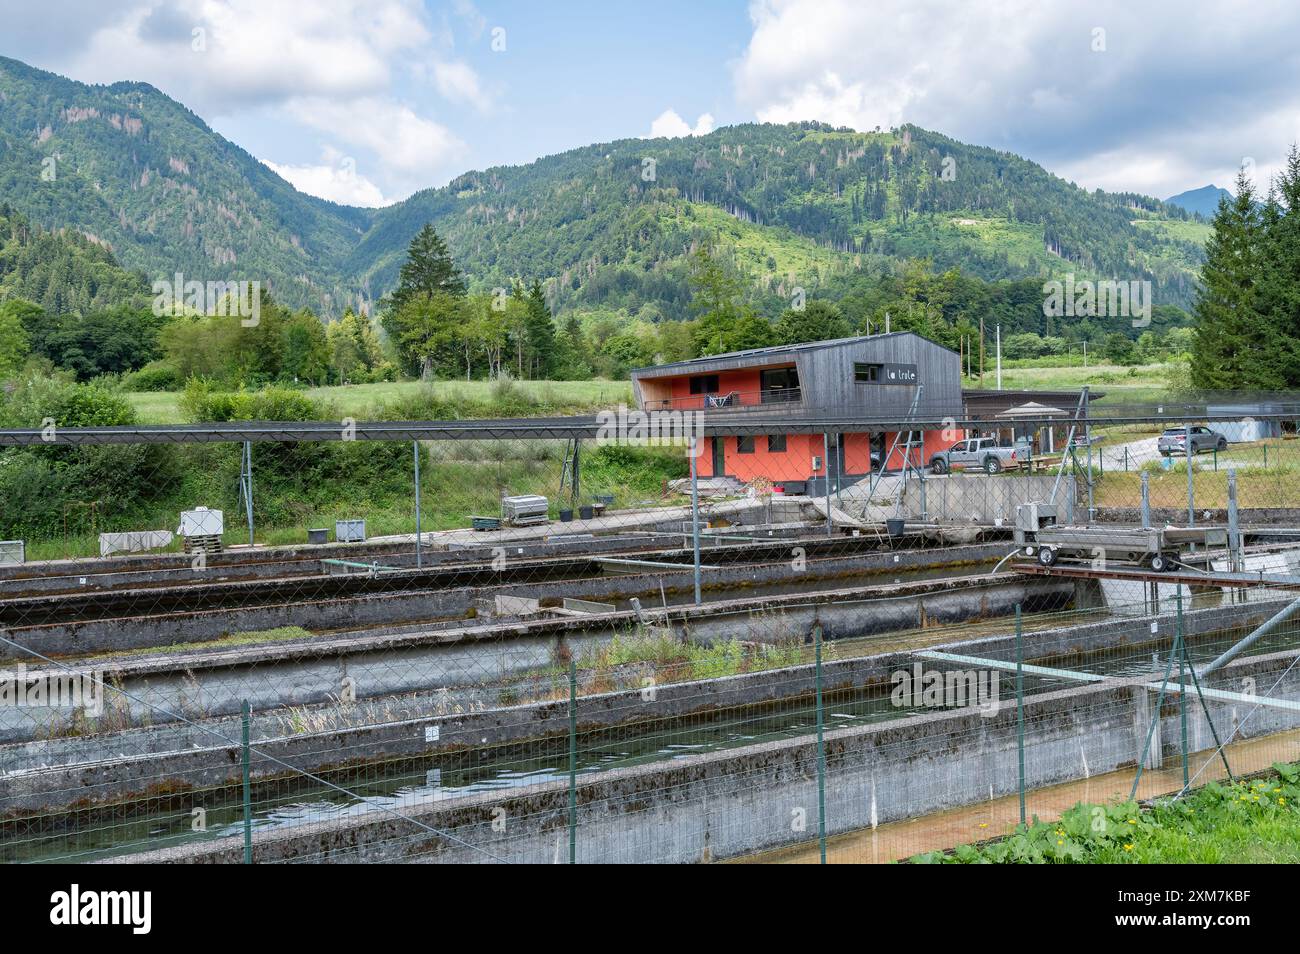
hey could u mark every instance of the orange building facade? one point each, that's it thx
(888, 378)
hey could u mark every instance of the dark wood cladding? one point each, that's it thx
(827, 382)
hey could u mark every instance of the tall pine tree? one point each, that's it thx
(1225, 314)
(1278, 299)
(540, 331)
(428, 270)
(421, 315)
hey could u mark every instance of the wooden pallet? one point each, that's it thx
(203, 543)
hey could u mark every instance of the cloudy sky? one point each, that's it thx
(365, 101)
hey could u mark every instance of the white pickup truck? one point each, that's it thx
(981, 452)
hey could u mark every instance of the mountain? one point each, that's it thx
(141, 175)
(799, 202)
(610, 225)
(1203, 201)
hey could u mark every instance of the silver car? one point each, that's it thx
(1173, 442)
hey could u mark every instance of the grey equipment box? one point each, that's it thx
(349, 531)
(524, 510)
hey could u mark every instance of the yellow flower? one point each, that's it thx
(1059, 841)
(1128, 847)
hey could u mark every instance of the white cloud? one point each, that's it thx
(669, 125)
(1176, 93)
(330, 65)
(336, 181)
(220, 55)
(406, 144)
(459, 83)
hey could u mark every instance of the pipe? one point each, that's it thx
(1233, 651)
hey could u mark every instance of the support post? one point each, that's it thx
(573, 760)
(1154, 724)
(246, 713)
(1020, 709)
(419, 556)
(1146, 500)
(1087, 436)
(575, 475)
(1191, 489)
(1182, 684)
(1235, 561)
(821, 748)
(695, 512)
(826, 463)
(247, 479)
(1068, 451)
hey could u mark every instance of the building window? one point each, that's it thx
(704, 384)
(776, 443)
(744, 445)
(865, 373)
(778, 385)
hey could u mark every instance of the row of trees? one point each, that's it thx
(1247, 314)
(431, 325)
(153, 352)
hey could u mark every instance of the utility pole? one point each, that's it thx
(999, 329)
(981, 349)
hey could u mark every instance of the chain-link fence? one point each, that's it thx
(555, 640)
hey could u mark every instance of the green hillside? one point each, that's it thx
(62, 272)
(143, 176)
(609, 225)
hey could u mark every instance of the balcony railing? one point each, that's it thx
(727, 400)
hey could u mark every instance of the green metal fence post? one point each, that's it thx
(1182, 686)
(821, 747)
(573, 761)
(247, 713)
(1020, 709)
(419, 558)
(1154, 722)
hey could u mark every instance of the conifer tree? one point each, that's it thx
(1225, 314)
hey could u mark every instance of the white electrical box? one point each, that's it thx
(201, 522)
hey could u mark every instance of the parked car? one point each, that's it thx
(1173, 442)
(981, 452)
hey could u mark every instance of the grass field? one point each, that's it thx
(361, 400)
(1132, 382)
(1138, 383)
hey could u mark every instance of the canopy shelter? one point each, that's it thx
(1031, 421)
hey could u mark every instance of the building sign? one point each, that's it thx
(881, 373)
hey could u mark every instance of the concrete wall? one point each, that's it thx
(97, 768)
(758, 797)
(319, 605)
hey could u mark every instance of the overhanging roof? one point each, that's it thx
(750, 357)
